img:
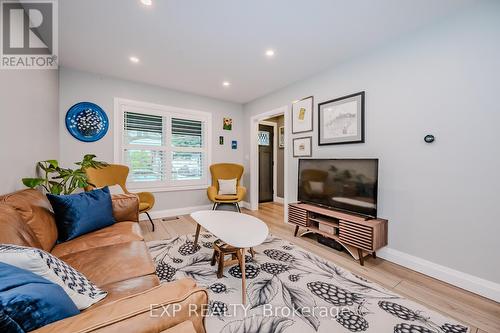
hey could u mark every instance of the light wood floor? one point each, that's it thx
(481, 314)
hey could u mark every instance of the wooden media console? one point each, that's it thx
(358, 235)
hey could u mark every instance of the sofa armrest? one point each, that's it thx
(125, 207)
(152, 311)
(185, 327)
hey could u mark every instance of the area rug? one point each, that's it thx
(292, 290)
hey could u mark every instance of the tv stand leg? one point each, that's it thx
(296, 231)
(361, 259)
(374, 255)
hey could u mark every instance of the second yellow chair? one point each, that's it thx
(226, 171)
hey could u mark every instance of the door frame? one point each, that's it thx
(275, 156)
(254, 155)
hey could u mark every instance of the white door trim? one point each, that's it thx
(254, 155)
(275, 156)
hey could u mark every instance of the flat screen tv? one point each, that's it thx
(344, 184)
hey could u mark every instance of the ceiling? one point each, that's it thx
(195, 45)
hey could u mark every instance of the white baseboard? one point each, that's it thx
(246, 205)
(156, 214)
(462, 280)
(279, 200)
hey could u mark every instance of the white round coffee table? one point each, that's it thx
(238, 230)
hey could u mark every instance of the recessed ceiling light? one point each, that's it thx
(226, 83)
(147, 2)
(270, 53)
(135, 60)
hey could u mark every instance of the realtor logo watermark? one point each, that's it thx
(28, 33)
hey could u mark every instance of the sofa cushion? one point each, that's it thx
(121, 289)
(117, 233)
(125, 207)
(30, 300)
(36, 212)
(141, 312)
(14, 230)
(81, 291)
(113, 263)
(81, 213)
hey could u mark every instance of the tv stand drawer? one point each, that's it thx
(297, 216)
(356, 234)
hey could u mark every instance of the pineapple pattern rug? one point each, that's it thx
(292, 290)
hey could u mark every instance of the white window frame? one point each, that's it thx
(122, 105)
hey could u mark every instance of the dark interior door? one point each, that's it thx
(266, 135)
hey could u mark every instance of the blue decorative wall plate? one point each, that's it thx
(87, 122)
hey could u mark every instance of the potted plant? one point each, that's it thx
(58, 180)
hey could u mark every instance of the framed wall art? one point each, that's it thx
(227, 124)
(87, 122)
(342, 120)
(302, 147)
(302, 115)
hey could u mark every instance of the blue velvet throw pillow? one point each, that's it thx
(78, 214)
(28, 301)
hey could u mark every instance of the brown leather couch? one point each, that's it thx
(116, 259)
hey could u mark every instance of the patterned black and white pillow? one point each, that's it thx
(81, 291)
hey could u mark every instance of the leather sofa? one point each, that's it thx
(116, 259)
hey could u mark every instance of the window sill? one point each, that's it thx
(166, 189)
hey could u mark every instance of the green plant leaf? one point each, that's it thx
(53, 163)
(89, 162)
(89, 157)
(81, 183)
(56, 188)
(33, 182)
(49, 165)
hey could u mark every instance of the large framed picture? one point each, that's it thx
(302, 115)
(342, 120)
(302, 147)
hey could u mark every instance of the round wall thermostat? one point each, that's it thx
(429, 138)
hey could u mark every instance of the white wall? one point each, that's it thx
(76, 86)
(441, 199)
(29, 128)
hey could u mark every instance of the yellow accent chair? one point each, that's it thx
(115, 174)
(226, 171)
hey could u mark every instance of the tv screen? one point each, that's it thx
(345, 184)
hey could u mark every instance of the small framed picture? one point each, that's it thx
(302, 115)
(227, 124)
(281, 137)
(342, 120)
(221, 140)
(234, 144)
(302, 147)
